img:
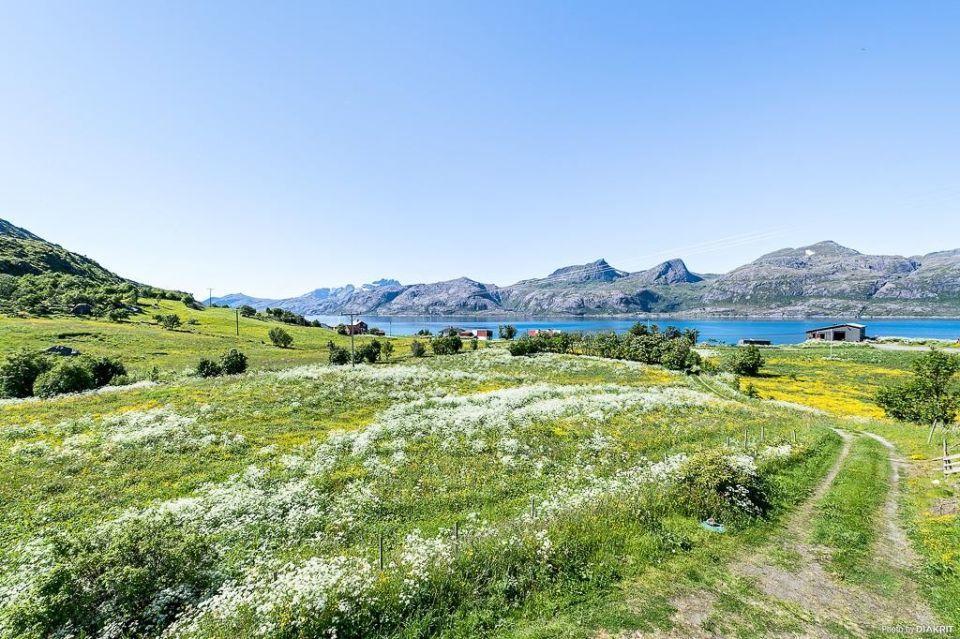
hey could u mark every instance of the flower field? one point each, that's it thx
(450, 496)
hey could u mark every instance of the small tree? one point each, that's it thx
(508, 331)
(417, 349)
(930, 397)
(387, 350)
(474, 344)
(233, 362)
(746, 360)
(369, 351)
(280, 338)
(338, 355)
(247, 311)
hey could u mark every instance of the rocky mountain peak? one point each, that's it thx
(598, 271)
(670, 272)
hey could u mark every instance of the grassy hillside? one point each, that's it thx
(23, 253)
(142, 344)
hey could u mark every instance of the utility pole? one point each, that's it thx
(210, 297)
(353, 358)
(238, 322)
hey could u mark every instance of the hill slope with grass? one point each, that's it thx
(23, 253)
(38, 277)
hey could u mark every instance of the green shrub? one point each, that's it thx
(106, 369)
(387, 350)
(233, 362)
(677, 355)
(369, 352)
(746, 360)
(131, 582)
(247, 311)
(71, 375)
(417, 349)
(338, 355)
(20, 371)
(930, 397)
(508, 331)
(280, 338)
(169, 321)
(715, 483)
(208, 368)
(449, 345)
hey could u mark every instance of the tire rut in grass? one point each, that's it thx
(822, 599)
(786, 589)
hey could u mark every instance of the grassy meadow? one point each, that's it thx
(468, 495)
(142, 344)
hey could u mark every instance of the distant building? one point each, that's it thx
(548, 332)
(359, 327)
(839, 333)
(754, 342)
(483, 333)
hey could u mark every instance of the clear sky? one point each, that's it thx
(276, 147)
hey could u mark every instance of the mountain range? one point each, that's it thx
(823, 279)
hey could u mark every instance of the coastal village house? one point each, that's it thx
(359, 327)
(839, 333)
(480, 333)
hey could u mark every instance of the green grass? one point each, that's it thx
(73, 464)
(848, 517)
(407, 451)
(142, 344)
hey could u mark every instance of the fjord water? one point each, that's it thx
(778, 331)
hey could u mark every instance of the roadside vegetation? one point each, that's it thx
(644, 343)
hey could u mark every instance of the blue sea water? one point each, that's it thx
(778, 331)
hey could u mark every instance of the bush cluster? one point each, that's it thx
(289, 317)
(59, 293)
(447, 345)
(280, 338)
(34, 374)
(369, 352)
(669, 348)
(233, 362)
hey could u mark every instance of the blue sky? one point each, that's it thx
(272, 148)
